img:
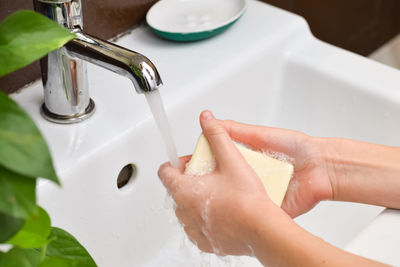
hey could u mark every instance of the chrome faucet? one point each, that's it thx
(66, 92)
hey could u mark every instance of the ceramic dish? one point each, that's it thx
(191, 20)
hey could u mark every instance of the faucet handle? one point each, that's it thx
(67, 13)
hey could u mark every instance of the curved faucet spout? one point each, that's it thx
(66, 91)
(138, 68)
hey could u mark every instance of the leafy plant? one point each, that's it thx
(26, 36)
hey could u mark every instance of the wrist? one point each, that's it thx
(255, 216)
(266, 224)
(334, 164)
(276, 240)
(320, 165)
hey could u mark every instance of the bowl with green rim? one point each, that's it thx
(192, 20)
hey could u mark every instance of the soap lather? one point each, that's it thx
(275, 174)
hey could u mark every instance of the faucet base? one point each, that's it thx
(68, 119)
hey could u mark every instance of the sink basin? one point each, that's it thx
(267, 69)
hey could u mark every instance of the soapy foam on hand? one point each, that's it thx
(279, 156)
(202, 163)
(274, 169)
(203, 167)
(187, 249)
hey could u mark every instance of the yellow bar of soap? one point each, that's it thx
(274, 174)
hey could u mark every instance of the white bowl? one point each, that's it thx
(190, 20)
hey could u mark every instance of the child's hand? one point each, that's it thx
(310, 183)
(217, 210)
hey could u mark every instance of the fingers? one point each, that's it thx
(261, 137)
(221, 144)
(184, 160)
(172, 177)
(198, 238)
(251, 135)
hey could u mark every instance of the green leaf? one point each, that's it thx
(62, 250)
(9, 226)
(17, 194)
(65, 246)
(22, 147)
(55, 262)
(18, 257)
(26, 36)
(34, 233)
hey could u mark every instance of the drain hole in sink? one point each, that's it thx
(126, 175)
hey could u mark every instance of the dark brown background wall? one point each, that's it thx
(360, 26)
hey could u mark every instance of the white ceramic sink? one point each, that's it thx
(267, 69)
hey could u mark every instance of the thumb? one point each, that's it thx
(221, 144)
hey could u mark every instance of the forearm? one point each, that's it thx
(363, 172)
(278, 241)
